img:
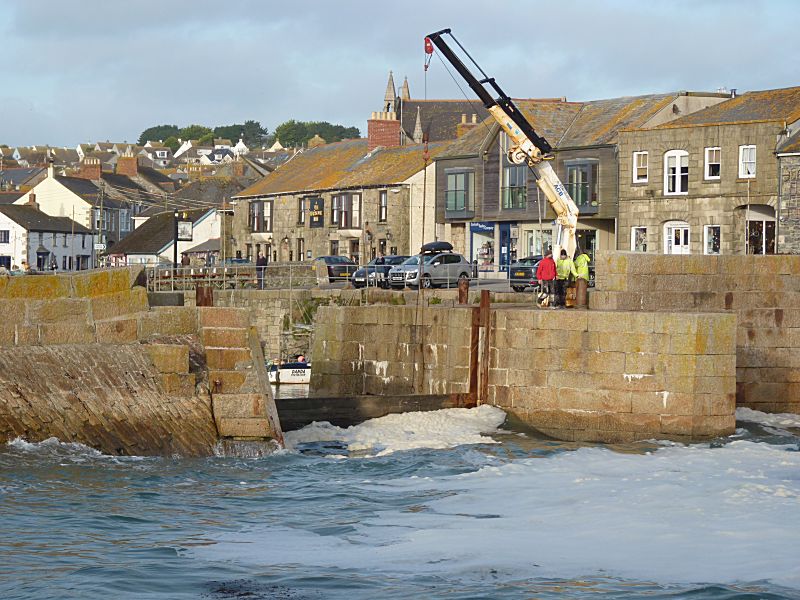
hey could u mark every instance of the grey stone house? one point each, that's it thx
(492, 210)
(708, 183)
(788, 225)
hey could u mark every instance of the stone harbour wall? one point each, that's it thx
(574, 375)
(85, 359)
(763, 292)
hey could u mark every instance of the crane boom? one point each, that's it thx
(527, 147)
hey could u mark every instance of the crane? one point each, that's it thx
(527, 147)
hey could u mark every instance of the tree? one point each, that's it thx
(206, 140)
(158, 132)
(194, 132)
(297, 133)
(172, 143)
(254, 134)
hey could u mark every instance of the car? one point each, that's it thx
(522, 273)
(440, 266)
(376, 272)
(337, 268)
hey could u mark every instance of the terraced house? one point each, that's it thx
(718, 181)
(492, 210)
(339, 199)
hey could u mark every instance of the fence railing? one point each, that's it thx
(282, 276)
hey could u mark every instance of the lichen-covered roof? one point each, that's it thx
(343, 165)
(550, 119)
(767, 105)
(599, 121)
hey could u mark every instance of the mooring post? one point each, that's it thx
(484, 320)
(463, 290)
(204, 295)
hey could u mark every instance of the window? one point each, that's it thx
(54, 243)
(639, 239)
(640, 167)
(582, 182)
(124, 219)
(711, 239)
(747, 162)
(83, 240)
(64, 263)
(335, 202)
(713, 163)
(4, 236)
(349, 211)
(301, 211)
(459, 191)
(259, 216)
(301, 249)
(761, 237)
(676, 172)
(515, 186)
(248, 250)
(334, 247)
(64, 241)
(383, 206)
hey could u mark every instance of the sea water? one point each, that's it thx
(423, 505)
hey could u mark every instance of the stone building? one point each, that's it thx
(708, 183)
(492, 209)
(337, 199)
(788, 225)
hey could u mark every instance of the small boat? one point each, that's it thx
(294, 372)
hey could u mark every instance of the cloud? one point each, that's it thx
(107, 70)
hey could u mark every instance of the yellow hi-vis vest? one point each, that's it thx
(582, 266)
(565, 267)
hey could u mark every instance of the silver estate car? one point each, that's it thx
(439, 268)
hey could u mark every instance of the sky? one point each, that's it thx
(96, 70)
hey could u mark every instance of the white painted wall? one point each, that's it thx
(422, 193)
(57, 201)
(22, 247)
(205, 229)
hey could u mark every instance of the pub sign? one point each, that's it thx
(316, 212)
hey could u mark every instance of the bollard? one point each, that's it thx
(204, 295)
(463, 290)
(580, 293)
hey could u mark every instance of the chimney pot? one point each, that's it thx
(463, 117)
(474, 118)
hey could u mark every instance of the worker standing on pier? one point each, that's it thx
(565, 269)
(582, 278)
(546, 274)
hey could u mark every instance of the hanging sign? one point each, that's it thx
(316, 212)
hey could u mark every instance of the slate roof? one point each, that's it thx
(211, 245)
(11, 197)
(791, 144)
(80, 187)
(154, 175)
(152, 236)
(767, 105)
(32, 219)
(19, 176)
(599, 121)
(341, 165)
(550, 119)
(440, 118)
(213, 189)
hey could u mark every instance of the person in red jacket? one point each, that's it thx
(546, 274)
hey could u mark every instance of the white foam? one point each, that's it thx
(51, 444)
(770, 419)
(679, 514)
(408, 431)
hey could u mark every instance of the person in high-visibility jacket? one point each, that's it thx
(565, 269)
(582, 278)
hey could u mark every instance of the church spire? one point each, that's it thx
(404, 93)
(418, 128)
(390, 96)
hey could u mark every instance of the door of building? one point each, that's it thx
(676, 238)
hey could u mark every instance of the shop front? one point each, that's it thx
(482, 243)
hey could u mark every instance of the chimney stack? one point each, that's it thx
(32, 201)
(465, 125)
(90, 169)
(127, 164)
(383, 129)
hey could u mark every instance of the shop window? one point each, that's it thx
(639, 239)
(747, 162)
(712, 235)
(676, 172)
(640, 167)
(761, 237)
(713, 163)
(582, 182)
(515, 186)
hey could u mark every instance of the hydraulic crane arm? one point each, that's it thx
(527, 146)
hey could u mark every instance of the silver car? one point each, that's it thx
(438, 268)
